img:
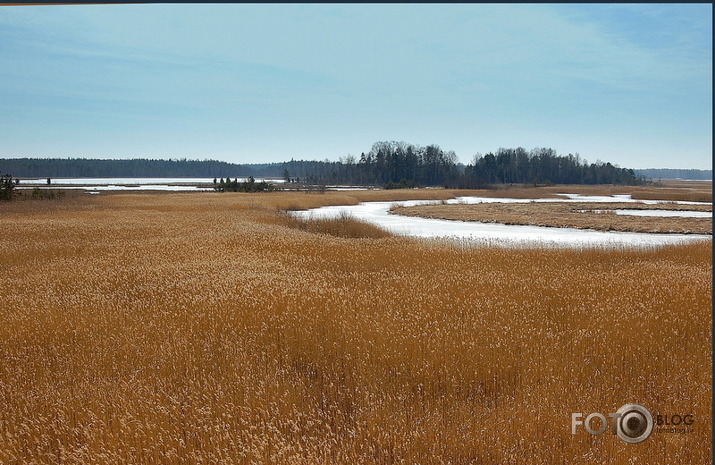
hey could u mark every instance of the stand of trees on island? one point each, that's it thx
(387, 164)
(396, 164)
(249, 185)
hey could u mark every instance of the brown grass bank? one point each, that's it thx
(344, 226)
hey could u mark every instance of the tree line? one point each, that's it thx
(397, 164)
(132, 168)
(543, 166)
(667, 173)
(387, 164)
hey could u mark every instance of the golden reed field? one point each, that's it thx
(214, 329)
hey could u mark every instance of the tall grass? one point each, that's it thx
(345, 226)
(700, 195)
(188, 329)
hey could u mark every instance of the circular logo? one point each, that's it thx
(634, 424)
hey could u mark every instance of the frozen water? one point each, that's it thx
(378, 214)
(95, 188)
(115, 181)
(130, 184)
(625, 198)
(660, 213)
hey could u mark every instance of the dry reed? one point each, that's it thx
(200, 328)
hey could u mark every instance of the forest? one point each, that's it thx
(387, 164)
(129, 168)
(404, 165)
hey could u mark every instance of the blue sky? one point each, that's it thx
(629, 84)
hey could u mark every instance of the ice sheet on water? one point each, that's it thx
(132, 181)
(660, 213)
(625, 198)
(112, 187)
(378, 214)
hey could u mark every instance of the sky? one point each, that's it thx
(630, 84)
